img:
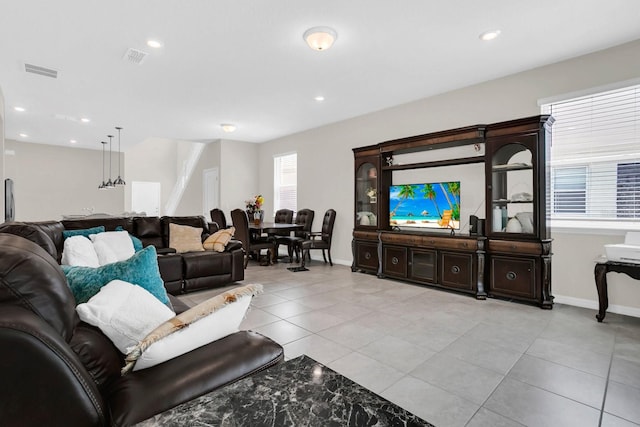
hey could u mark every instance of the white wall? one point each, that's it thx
(191, 202)
(2, 176)
(325, 159)
(153, 160)
(240, 174)
(52, 181)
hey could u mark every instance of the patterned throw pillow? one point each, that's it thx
(218, 240)
(184, 238)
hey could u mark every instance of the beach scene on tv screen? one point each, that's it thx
(434, 205)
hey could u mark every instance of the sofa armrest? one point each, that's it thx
(233, 245)
(213, 227)
(43, 369)
(193, 374)
(165, 251)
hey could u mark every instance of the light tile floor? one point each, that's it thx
(448, 358)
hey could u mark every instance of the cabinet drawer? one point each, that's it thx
(371, 236)
(456, 270)
(514, 277)
(394, 261)
(367, 255)
(422, 265)
(512, 247)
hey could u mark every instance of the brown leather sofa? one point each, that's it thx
(59, 371)
(181, 272)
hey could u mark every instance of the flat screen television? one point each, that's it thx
(434, 205)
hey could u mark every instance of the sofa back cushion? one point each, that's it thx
(31, 278)
(109, 223)
(33, 233)
(149, 230)
(192, 221)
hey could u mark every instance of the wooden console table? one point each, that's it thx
(601, 270)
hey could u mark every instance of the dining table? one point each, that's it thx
(273, 228)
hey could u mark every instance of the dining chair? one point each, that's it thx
(304, 217)
(319, 239)
(241, 223)
(217, 216)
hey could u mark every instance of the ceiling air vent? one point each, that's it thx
(135, 56)
(36, 69)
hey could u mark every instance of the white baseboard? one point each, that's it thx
(587, 303)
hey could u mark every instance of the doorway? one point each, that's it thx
(210, 192)
(145, 197)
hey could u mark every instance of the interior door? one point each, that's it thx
(145, 197)
(210, 196)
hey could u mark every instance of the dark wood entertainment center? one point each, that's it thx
(508, 254)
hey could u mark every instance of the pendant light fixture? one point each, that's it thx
(102, 186)
(119, 182)
(109, 182)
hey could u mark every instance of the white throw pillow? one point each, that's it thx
(124, 312)
(118, 241)
(78, 251)
(104, 252)
(216, 325)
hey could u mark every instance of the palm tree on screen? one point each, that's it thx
(406, 192)
(430, 193)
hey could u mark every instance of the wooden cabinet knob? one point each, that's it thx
(455, 269)
(511, 275)
(394, 261)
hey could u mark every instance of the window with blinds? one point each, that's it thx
(595, 157)
(285, 182)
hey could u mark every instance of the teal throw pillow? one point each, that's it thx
(141, 269)
(137, 243)
(84, 232)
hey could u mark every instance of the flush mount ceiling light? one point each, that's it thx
(489, 35)
(228, 127)
(319, 98)
(320, 38)
(20, 109)
(72, 141)
(154, 44)
(24, 135)
(85, 120)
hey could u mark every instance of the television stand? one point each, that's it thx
(502, 166)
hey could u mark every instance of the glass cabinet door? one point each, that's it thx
(366, 195)
(512, 191)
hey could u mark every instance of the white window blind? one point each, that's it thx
(285, 182)
(595, 157)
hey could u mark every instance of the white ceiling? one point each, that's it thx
(244, 61)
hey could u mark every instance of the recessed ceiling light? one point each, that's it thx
(228, 127)
(73, 141)
(319, 98)
(85, 120)
(21, 109)
(154, 44)
(489, 35)
(24, 135)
